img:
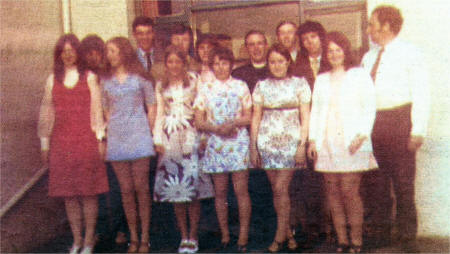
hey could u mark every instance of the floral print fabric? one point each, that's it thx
(178, 178)
(279, 130)
(223, 102)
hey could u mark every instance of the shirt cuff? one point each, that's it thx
(45, 144)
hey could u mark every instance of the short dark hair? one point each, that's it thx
(252, 32)
(280, 49)
(308, 27)
(223, 54)
(282, 23)
(391, 15)
(179, 29)
(343, 42)
(205, 39)
(142, 21)
(89, 43)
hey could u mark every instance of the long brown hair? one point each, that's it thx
(172, 50)
(128, 58)
(58, 65)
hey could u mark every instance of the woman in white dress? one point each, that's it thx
(278, 139)
(342, 116)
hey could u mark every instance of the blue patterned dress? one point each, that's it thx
(128, 131)
(223, 102)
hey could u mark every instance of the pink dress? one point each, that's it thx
(334, 157)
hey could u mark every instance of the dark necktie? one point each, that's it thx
(149, 61)
(373, 72)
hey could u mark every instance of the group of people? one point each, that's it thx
(301, 103)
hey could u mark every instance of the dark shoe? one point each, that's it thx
(342, 248)
(242, 248)
(355, 248)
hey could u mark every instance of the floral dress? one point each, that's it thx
(279, 130)
(178, 178)
(223, 102)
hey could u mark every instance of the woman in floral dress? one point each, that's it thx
(280, 104)
(223, 110)
(178, 178)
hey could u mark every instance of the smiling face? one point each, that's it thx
(287, 36)
(221, 68)
(182, 41)
(113, 55)
(278, 64)
(174, 65)
(144, 36)
(69, 55)
(204, 51)
(311, 41)
(256, 47)
(336, 55)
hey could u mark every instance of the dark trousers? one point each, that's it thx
(306, 196)
(396, 163)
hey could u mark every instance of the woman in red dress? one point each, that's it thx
(71, 128)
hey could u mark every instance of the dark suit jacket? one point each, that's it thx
(302, 68)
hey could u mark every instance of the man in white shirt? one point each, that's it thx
(402, 95)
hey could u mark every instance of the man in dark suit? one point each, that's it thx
(256, 70)
(313, 59)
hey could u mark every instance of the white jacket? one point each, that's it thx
(357, 107)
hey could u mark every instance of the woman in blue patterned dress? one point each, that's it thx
(223, 110)
(178, 178)
(280, 104)
(126, 93)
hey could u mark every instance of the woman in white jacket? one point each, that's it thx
(342, 116)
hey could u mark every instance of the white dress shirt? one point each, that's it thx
(401, 78)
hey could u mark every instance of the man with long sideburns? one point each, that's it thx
(402, 96)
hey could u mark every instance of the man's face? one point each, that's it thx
(182, 41)
(257, 48)
(312, 43)
(144, 36)
(374, 30)
(287, 36)
(93, 59)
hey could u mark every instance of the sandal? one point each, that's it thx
(276, 246)
(144, 247)
(133, 247)
(292, 244)
(242, 248)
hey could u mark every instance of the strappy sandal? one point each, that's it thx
(276, 246)
(144, 247)
(355, 248)
(133, 247)
(292, 244)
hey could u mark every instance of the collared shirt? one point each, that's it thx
(401, 78)
(294, 54)
(143, 58)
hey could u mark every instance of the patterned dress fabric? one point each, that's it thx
(178, 176)
(75, 167)
(279, 130)
(128, 131)
(223, 102)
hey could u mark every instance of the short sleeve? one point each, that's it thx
(200, 100)
(303, 91)
(149, 92)
(246, 97)
(257, 96)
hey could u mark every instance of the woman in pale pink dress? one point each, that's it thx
(342, 116)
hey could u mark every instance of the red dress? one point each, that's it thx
(75, 167)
